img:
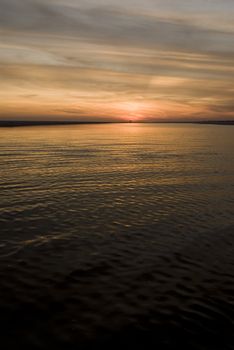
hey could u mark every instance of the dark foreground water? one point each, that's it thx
(116, 235)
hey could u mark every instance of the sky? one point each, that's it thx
(106, 60)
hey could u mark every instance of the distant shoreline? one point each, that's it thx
(16, 123)
(216, 122)
(20, 123)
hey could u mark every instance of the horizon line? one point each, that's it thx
(18, 123)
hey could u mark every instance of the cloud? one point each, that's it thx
(112, 24)
(176, 52)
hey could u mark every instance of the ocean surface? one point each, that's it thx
(117, 234)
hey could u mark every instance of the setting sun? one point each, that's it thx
(133, 110)
(117, 174)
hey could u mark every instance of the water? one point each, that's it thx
(117, 233)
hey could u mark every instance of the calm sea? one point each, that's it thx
(117, 233)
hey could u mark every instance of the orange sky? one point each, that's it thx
(98, 60)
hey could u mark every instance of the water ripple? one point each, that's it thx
(117, 234)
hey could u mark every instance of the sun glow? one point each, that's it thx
(133, 110)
